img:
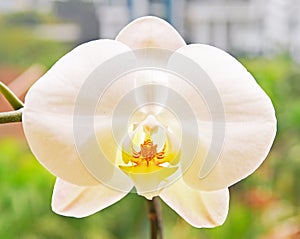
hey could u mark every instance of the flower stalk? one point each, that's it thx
(155, 218)
(11, 116)
(13, 100)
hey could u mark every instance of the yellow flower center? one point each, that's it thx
(148, 152)
(148, 148)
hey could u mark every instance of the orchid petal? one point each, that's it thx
(250, 124)
(150, 32)
(198, 208)
(49, 110)
(75, 201)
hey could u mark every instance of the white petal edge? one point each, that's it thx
(198, 208)
(150, 32)
(49, 107)
(75, 201)
(250, 119)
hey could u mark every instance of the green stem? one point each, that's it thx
(155, 218)
(14, 101)
(11, 116)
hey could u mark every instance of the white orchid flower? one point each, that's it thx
(153, 129)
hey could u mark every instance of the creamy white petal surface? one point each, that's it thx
(49, 109)
(198, 208)
(249, 119)
(75, 201)
(150, 32)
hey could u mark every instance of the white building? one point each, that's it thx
(7, 6)
(252, 27)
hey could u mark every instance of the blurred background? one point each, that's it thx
(263, 35)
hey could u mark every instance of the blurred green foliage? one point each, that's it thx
(25, 212)
(280, 78)
(28, 19)
(260, 206)
(19, 46)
